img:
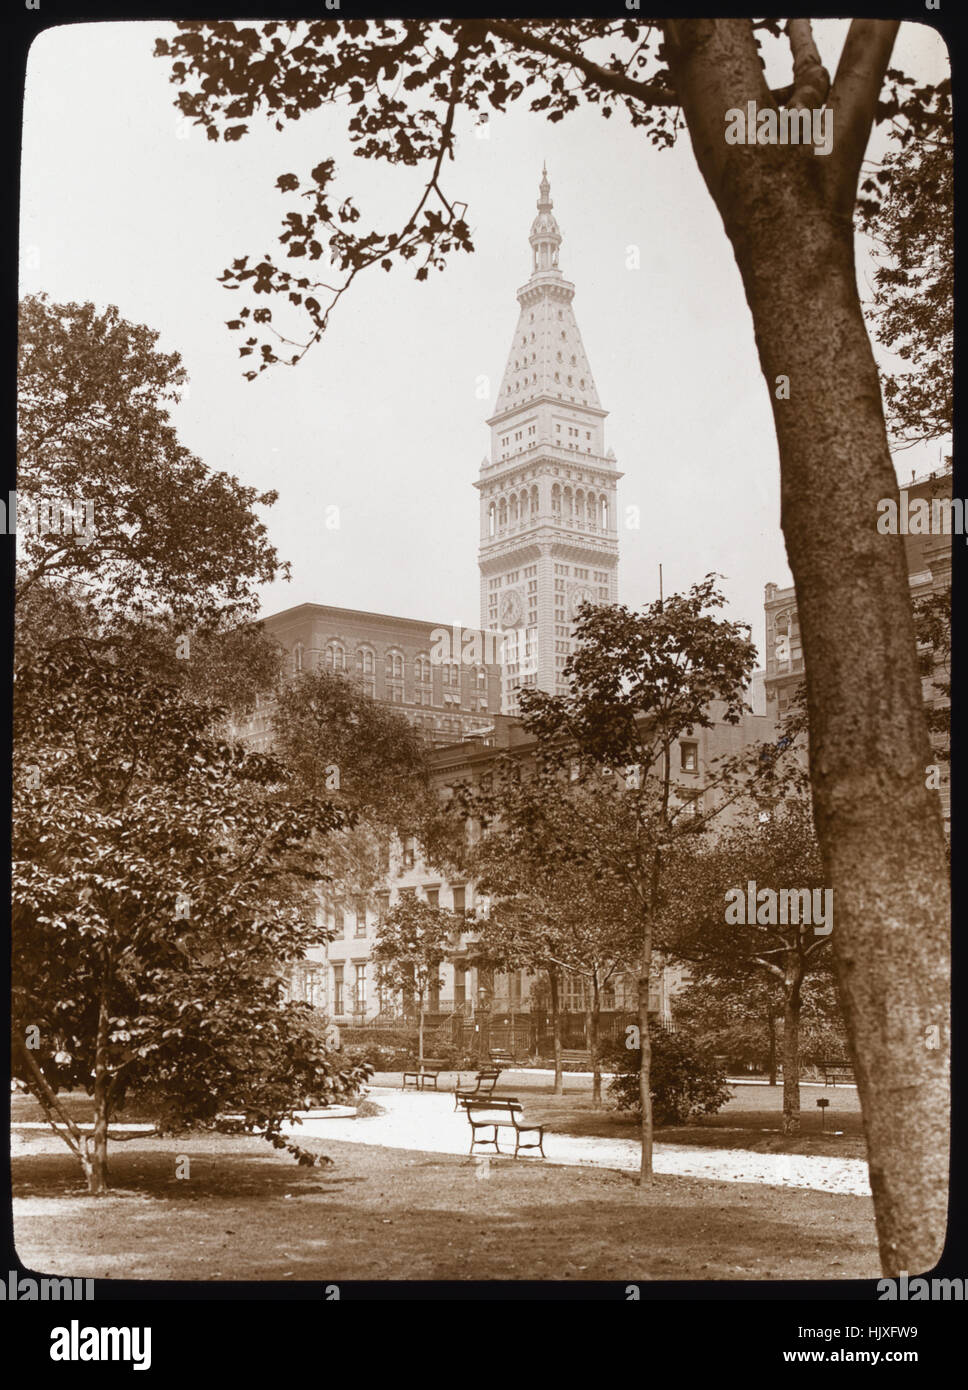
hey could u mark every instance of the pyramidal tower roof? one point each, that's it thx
(547, 356)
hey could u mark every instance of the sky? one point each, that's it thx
(125, 204)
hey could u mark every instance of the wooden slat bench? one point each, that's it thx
(482, 1089)
(499, 1057)
(426, 1071)
(502, 1112)
(837, 1071)
(576, 1057)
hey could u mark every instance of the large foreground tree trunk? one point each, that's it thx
(788, 214)
(771, 1033)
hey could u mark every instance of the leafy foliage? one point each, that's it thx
(163, 879)
(685, 1080)
(168, 533)
(907, 206)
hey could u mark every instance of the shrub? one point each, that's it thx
(686, 1080)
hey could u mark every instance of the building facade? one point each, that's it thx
(419, 668)
(549, 524)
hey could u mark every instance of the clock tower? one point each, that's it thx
(549, 525)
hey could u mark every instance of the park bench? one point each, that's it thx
(426, 1071)
(499, 1112)
(576, 1057)
(499, 1056)
(837, 1071)
(483, 1086)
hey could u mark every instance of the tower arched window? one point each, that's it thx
(603, 512)
(524, 505)
(335, 656)
(513, 510)
(556, 502)
(579, 508)
(534, 500)
(569, 504)
(422, 669)
(502, 514)
(490, 519)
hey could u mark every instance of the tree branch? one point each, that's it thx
(611, 79)
(811, 80)
(853, 101)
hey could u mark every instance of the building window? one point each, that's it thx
(365, 668)
(337, 989)
(460, 897)
(689, 757)
(335, 656)
(361, 917)
(409, 852)
(297, 658)
(359, 988)
(339, 918)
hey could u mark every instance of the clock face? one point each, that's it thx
(579, 595)
(511, 608)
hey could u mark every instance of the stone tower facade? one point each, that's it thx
(549, 523)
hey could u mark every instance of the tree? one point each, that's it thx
(736, 1019)
(148, 526)
(554, 902)
(911, 219)
(411, 945)
(368, 761)
(162, 882)
(725, 946)
(637, 682)
(788, 215)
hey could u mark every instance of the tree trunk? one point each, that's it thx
(559, 1088)
(594, 1018)
(788, 214)
(420, 1026)
(645, 1065)
(791, 1058)
(97, 1148)
(771, 1033)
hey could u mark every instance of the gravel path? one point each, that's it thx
(427, 1122)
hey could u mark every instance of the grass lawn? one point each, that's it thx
(246, 1212)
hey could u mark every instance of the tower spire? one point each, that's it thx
(545, 235)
